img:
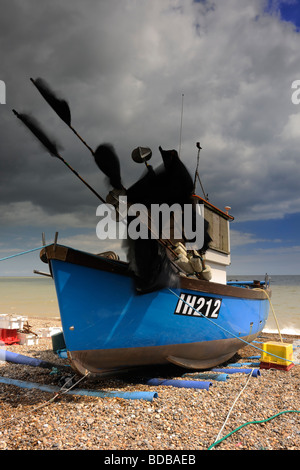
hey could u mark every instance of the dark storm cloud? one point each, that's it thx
(123, 67)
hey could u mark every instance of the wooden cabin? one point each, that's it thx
(218, 254)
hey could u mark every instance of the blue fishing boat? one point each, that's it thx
(198, 324)
(109, 321)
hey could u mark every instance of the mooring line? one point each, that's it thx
(229, 332)
(24, 252)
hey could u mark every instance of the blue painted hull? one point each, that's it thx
(107, 325)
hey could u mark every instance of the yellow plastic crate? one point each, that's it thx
(284, 351)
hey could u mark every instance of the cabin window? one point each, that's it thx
(218, 230)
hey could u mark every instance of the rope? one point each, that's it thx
(217, 441)
(61, 392)
(24, 252)
(272, 311)
(251, 422)
(227, 331)
(224, 424)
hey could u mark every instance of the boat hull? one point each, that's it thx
(108, 326)
(198, 355)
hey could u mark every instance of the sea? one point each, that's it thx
(36, 297)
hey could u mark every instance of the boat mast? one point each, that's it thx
(181, 120)
(197, 173)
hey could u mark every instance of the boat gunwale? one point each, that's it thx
(94, 261)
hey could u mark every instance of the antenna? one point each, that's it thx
(197, 173)
(182, 97)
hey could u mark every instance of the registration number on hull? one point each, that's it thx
(198, 306)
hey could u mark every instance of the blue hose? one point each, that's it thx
(255, 372)
(91, 393)
(29, 361)
(180, 383)
(243, 364)
(207, 376)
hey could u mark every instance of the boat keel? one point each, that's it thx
(202, 355)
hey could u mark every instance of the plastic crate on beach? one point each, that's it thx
(276, 355)
(4, 321)
(272, 365)
(28, 339)
(9, 336)
(47, 332)
(12, 321)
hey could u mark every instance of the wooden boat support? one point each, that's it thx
(108, 326)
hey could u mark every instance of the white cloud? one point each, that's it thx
(90, 243)
(25, 213)
(292, 128)
(239, 238)
(282, 260)
(283, 250)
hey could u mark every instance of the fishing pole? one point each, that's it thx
(105, 156)
(60, 106)
(110, 167)
(51, 146)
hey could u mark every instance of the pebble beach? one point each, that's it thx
(242, 413)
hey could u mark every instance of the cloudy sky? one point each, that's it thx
(124, 66)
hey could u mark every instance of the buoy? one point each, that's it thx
(183, 262)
